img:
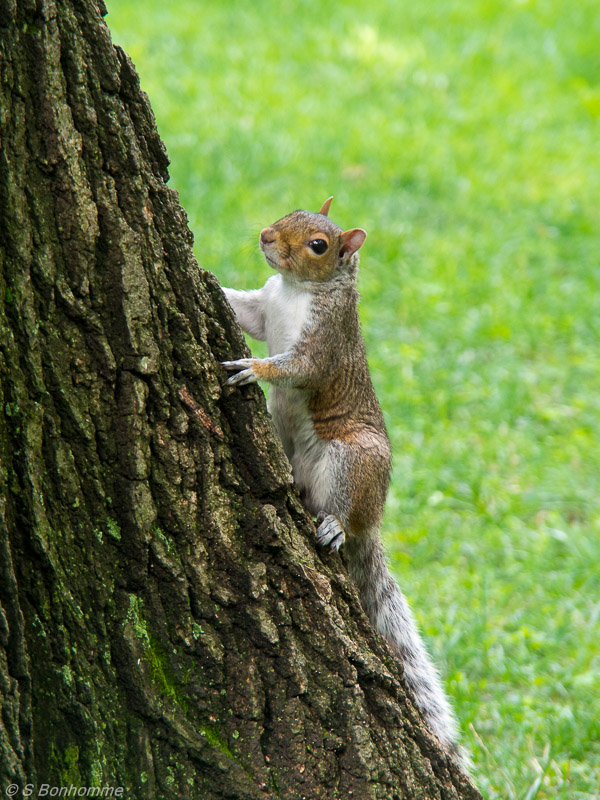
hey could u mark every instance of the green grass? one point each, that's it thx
(465, 137)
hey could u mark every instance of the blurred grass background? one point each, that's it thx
(465, 138)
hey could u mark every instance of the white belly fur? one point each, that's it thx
(287, 311)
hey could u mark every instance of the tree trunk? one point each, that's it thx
(166, 624)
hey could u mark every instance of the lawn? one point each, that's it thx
(465, 138)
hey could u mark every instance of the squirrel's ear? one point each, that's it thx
(351, 241)
(325, 207)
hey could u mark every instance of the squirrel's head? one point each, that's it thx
(309, 246)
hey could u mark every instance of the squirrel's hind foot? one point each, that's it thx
(330, 532)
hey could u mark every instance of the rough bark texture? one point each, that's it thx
(165, 621)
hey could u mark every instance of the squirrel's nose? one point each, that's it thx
(267, 236)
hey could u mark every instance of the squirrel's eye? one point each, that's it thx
(318, 246)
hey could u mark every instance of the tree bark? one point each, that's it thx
(166, 624)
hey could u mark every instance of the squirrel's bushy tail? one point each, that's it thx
(388, 610)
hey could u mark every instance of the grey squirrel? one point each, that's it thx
(324, 408)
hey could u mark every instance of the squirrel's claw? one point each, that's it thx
(245, 375)
(242, 378)
(330, 532)
(240, 363)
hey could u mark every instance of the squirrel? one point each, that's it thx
(325, 410)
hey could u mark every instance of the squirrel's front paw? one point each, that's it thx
(245, 372)
(330, 532)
